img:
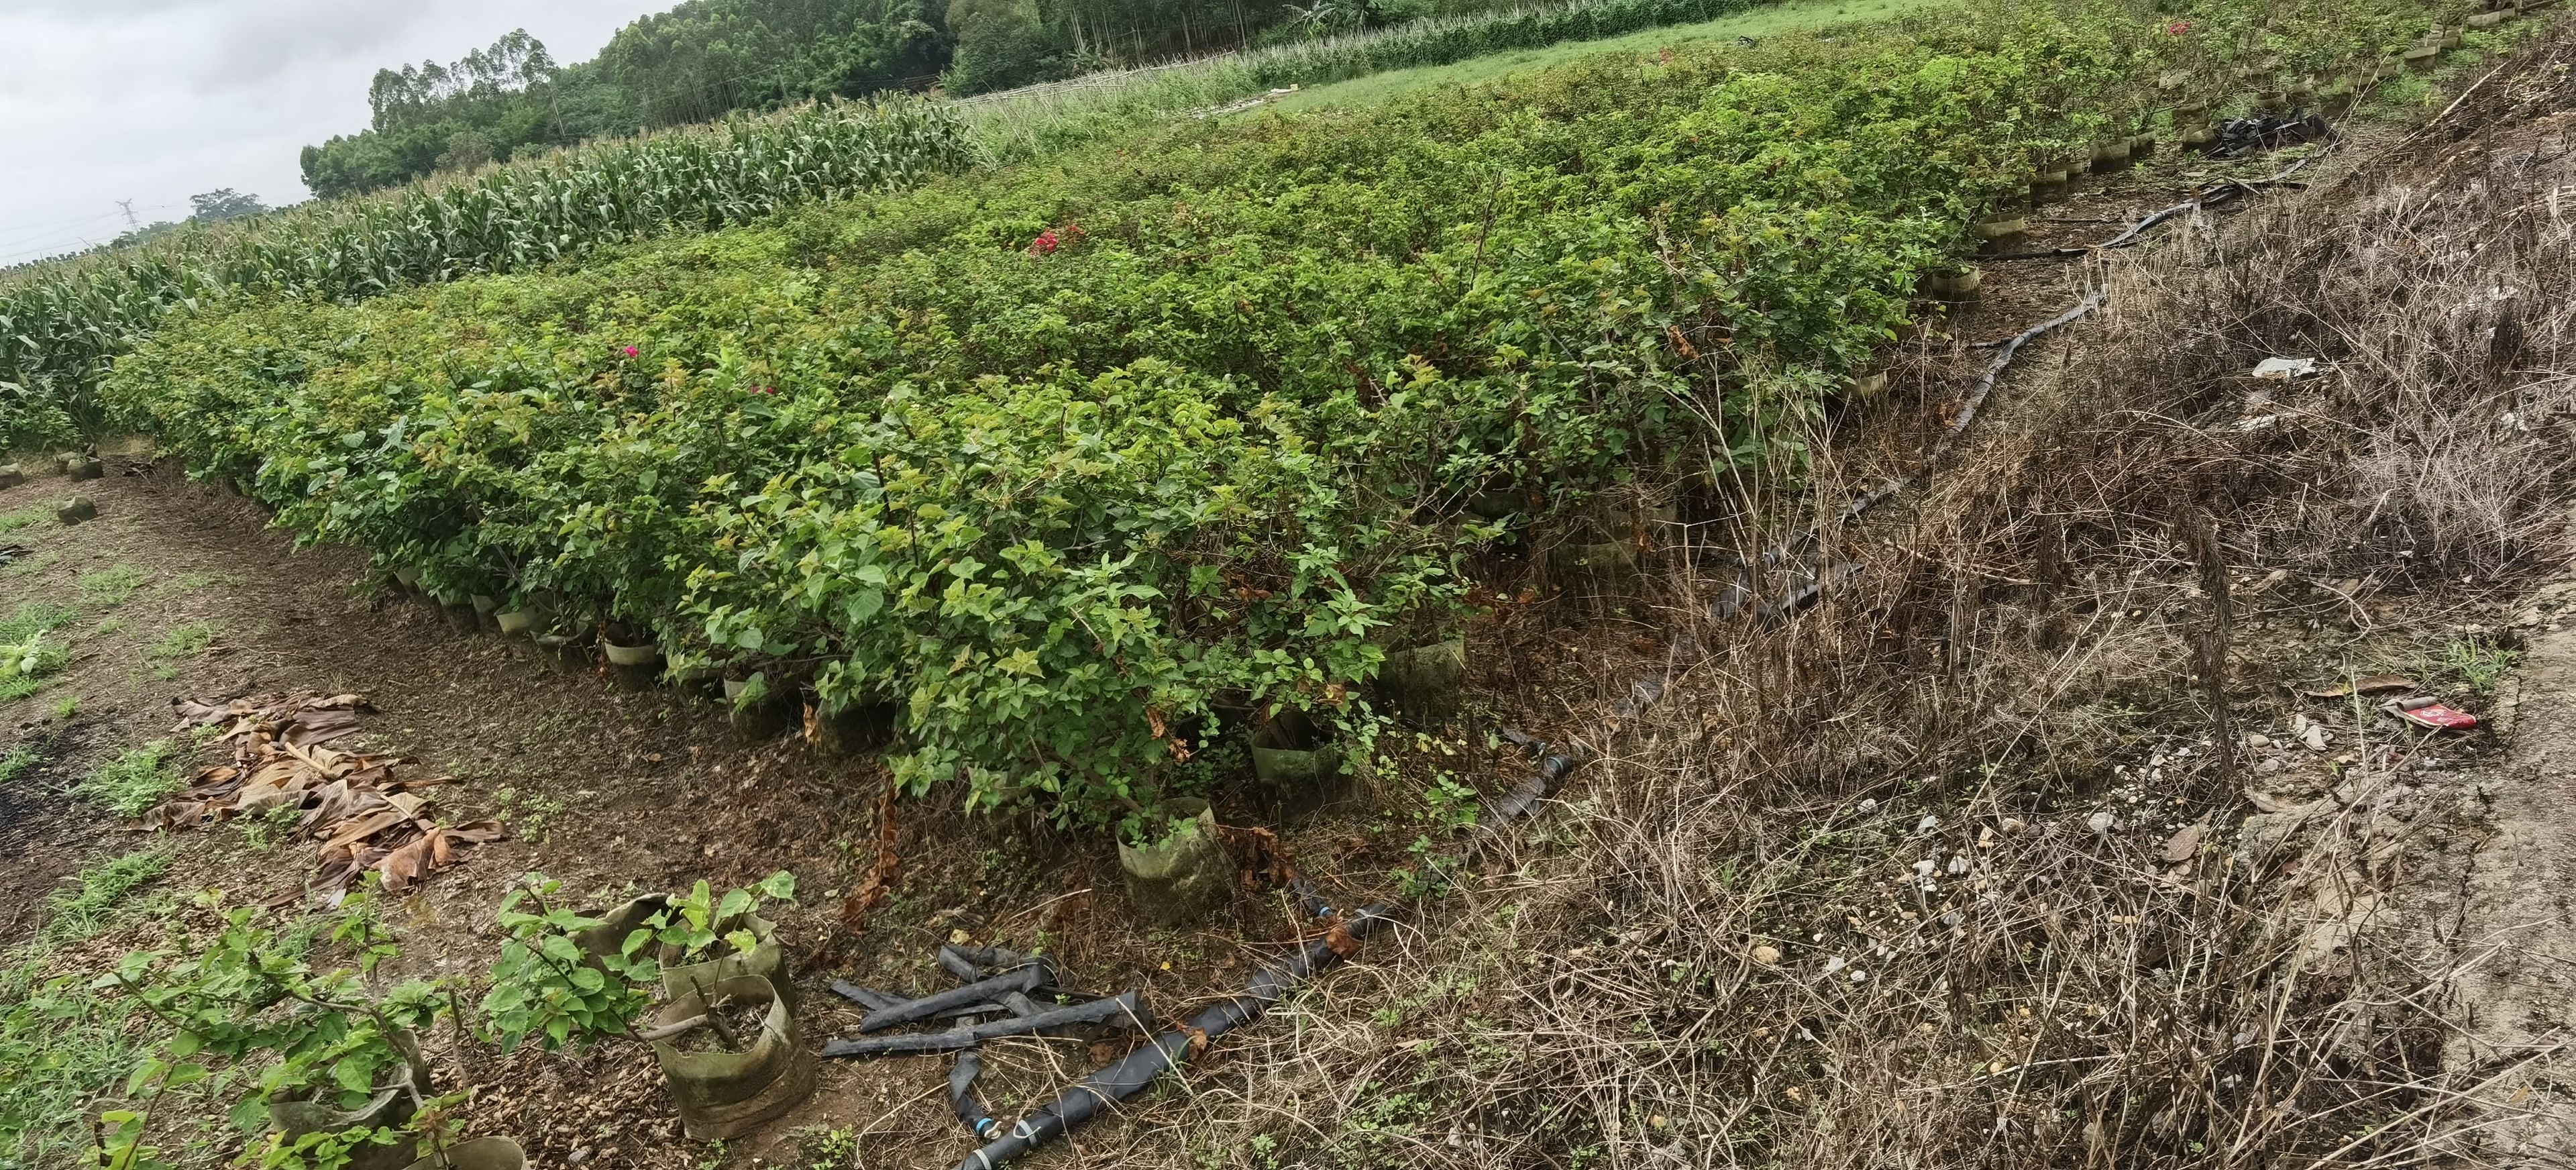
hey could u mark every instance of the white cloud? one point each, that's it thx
(156, 100)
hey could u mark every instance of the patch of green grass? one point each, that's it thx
(27, 652)
(186, 640)
(270, 828)
(35, 617)
(1769, 20)
(35, 564)
(2409, 91)
(20, 761)
(526, 812)
(134, 781)
(67, 706)
(2480, 666)
(13, 521)
(97, 898)
(111, 585)
(60, 1043)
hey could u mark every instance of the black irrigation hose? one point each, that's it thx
(1732, 601)
(1525, 795)
(1807, 591)
(1173, 1049)
(1126, 1007)
(1029, 978)
(1138, 1069)
(2224, 193)
(867, 997)
(961, 1096)
(970, 964)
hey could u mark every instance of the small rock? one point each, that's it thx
(2102, 823)
(2257, 740)
(577, 1157)
(1869, 804)
(1767, 955)
(2012, 826)
(75, 510)
(1927, 824)
(2315, 737)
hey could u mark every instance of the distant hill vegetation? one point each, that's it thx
(706, 58)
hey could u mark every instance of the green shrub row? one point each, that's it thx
(61, 326)
(1081, 465)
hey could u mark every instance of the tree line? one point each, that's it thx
(707, 58)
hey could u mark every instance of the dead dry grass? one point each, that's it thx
(1913, 880)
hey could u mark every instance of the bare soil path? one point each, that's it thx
(2514, 934)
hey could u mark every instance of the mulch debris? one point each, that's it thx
(365, 818)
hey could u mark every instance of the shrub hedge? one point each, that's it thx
(1078, 464)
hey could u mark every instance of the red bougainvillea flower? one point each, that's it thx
(764, 389)
(2178, 28)
(630, 351)
(1045, 245)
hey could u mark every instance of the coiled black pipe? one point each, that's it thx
(1130, 1075)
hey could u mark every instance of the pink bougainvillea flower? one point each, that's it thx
(1045, 244)
(764, 389)
(630, 351)
(2178, 28)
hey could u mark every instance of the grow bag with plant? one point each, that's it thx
(1179, 873)
(732, 1079)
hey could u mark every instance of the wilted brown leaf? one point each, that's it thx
(351, 803)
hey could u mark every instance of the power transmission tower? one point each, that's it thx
(131, 223)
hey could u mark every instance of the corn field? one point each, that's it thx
(62, 325)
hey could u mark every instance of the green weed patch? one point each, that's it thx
(129, 784)
(98, 896)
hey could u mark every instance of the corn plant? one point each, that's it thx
(62, 326)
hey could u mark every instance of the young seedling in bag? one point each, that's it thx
(310, 1053)
(549, 987)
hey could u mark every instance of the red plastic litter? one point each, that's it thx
(2434, 716)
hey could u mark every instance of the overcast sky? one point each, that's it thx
(157, 100)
